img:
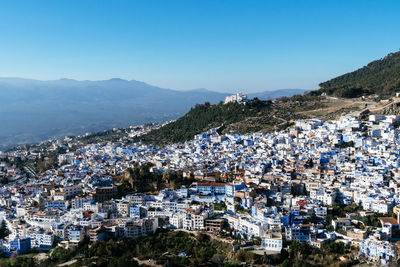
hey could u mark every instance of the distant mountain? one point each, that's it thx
(32, 110)
(255, 115)
(203, 117)
(380, 77)
(267, 95)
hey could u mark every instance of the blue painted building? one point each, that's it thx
(21, 245)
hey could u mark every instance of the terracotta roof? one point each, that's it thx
(390, 220)
(212, 184)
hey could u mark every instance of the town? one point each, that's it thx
(317, 182)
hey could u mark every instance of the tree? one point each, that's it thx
(218, 259)
(286, 263)
(256, 241)
(4, 232)
(336, 247)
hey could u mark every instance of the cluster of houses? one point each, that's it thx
(273, 186)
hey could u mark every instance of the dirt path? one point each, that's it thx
(147, 262)
(67, 263)
(375, 110)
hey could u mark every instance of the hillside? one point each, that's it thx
(381, 77)
(254, 116)
(32, 111)
(206, 116)
(269, 95)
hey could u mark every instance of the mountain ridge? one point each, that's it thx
(33, 110)
(380, 77)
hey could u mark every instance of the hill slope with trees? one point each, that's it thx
(380, 77)
(206, 116)
(253, 116)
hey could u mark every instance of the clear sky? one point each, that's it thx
(219, 45)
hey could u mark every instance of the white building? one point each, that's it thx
(378, 250)
(42, 239)
(272, 241)
(326, 196)
(176, 220)
(71, 191)
(238, 98)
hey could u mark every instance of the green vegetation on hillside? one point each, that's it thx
(165, 248)
(380, 77)
(204, 117)
(255, 115)
(179, 248)
(139, 179)
(303, 254)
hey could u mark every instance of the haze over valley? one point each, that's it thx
(33, 111)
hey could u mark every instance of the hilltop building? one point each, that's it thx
(239, 98)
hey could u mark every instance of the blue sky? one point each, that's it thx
(231, 45)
